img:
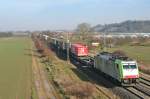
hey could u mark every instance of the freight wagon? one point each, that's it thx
(119, 68)
(79, 50)
(76, 50)
(60, 46)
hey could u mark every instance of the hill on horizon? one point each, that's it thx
(125, 27)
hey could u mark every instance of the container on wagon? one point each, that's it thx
(79, 49)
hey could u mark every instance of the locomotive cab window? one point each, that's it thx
(129, 66)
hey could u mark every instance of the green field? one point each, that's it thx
(140, 53)
(15, 68)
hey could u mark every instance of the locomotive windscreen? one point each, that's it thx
(129, 66)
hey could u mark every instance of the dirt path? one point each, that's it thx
(44, 89)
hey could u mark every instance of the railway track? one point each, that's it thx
(136, 91)
(144, 82)
(142, 89)
(102, 90)
(144, 77)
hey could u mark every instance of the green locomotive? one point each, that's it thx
(120, 68)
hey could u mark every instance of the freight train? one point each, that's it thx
(118, 68)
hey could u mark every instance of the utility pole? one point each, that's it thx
(68, 47)
(104, 41)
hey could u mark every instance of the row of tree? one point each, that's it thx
(6, 34)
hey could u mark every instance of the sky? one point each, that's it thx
(67, 14)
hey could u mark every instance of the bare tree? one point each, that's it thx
(83, 30)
